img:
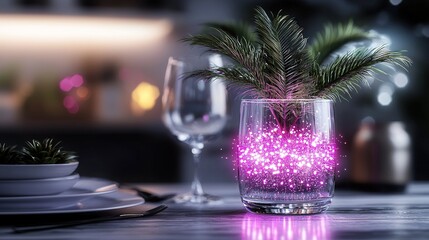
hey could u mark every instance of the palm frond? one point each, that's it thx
(347, 72)
(283, 45)
(332, 38)
(235, 76)
(270, 43)
(237, 30)
(274, 61)
(243, 53)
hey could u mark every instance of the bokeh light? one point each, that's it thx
(385, 93)
(395, 2)
(400, 80)
(75, 92)
(144, 96)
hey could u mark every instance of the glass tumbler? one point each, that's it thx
(286, 155)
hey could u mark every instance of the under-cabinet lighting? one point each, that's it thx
(42, 32)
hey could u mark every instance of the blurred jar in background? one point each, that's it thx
(11, 94)
(111, 105)
(381, 157)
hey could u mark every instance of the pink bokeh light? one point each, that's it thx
(71, 104)
(70, 82)
(65, 84)
(76, 80)
(282, 162)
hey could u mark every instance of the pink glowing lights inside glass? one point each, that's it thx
(286, 155)
(296, 161)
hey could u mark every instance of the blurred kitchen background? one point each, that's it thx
(90, 73)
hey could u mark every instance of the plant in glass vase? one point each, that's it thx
(286, 151)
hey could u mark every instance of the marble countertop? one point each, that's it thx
(352, 215)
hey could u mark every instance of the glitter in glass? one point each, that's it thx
(290, 163)
(286, 155)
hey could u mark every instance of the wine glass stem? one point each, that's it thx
(197, 189)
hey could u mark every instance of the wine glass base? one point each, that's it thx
(190, 198)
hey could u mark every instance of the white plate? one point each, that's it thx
(110, 201)
(37, 187)
(35, 171)
(83, 189)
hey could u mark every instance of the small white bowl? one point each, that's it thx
(36, 171)
(37, 187)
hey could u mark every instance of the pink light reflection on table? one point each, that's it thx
(256, 227)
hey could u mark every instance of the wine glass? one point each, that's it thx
(194, 109)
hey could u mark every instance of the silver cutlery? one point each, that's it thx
(32, 228)
(152, 197)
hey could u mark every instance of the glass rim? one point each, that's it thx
(275, 100)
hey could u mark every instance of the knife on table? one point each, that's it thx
(150, 212)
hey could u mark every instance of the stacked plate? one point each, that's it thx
(37, 179)
(56, 188)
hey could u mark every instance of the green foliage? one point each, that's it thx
(36, 152)
(46, 152)
(235, 29)
(9, 154)
(273, 60)
(345, 73)
(334, 37)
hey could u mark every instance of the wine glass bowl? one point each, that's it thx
(194, 109)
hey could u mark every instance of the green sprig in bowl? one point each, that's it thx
(40, 168)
